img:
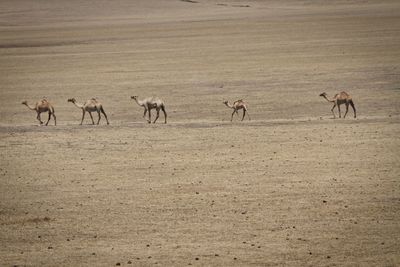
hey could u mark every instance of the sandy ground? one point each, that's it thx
(291, 187)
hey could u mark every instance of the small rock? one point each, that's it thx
(118, 264)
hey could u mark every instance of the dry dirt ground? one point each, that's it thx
(291, 187)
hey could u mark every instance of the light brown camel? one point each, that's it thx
(337, 100)
(150, 103)
(90, 106)
(237, 105)
(42, 106)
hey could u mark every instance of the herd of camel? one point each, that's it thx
(93, 105)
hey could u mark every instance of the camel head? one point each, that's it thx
(24, 102)
(323, 94)
(71, 100)
(134, 97)
(225, 102)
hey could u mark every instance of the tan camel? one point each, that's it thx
(337, 100)
(90, 106)
(150, 103)
(42, 106)
(237, 105)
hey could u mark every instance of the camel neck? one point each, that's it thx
(77, 104)
(30, 107)
(329, 100)
(140, 103)
(229, 105)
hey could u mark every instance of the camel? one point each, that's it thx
(42, 106)
(237, 105)
(150, 103)
(337, 100)
(90, 106)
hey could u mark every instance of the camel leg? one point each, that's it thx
(158, 115)
(83, 116)
(354, 108)
(149, 121)
(165, 114)
(244, 114)
(232, 114)
(338, 107)
(347, 110)
(248, 115)
(48, 118)
(98, 113)
(38, 118)
(55, 119)
(334, 116)
(90, 113)
(102, 111)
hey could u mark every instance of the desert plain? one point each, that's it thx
(290, 187)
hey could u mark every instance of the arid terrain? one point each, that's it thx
(290, 187)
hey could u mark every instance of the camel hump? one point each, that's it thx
(344, 93)
(157, 100)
